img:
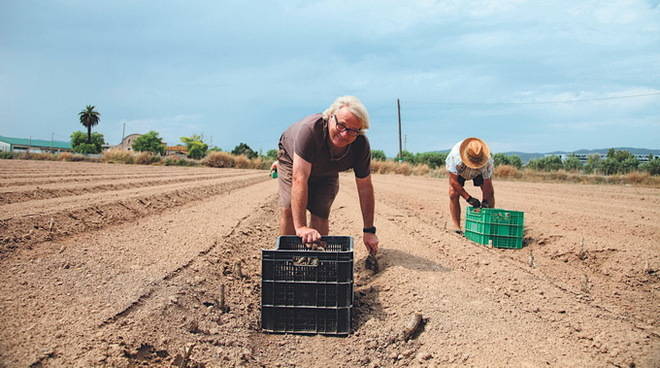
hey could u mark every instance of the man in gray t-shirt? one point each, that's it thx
(312, 152)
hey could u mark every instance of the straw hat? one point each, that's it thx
(474, 153)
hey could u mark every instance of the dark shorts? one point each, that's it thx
(321, 191)
(477, 181)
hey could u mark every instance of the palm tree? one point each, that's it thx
(89, 118)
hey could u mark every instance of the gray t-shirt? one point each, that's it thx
(309, 139)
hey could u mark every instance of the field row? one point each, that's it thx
(37, 212)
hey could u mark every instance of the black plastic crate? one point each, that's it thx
(305, 290)
(307, 294)
(332, 243)
(326, 321)
(292, 261)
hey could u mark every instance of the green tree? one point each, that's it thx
(149, 142)
(272, 154)
(195, 146)
(244, 149)
(511, 160)
(214, 149)
(432, 159)
(406, 156)
(548, 163)
(629, 164)
(79, 142)
(378, 155)
(89, 118)
(593, 162)
(651, 166)
(514, 160)
(572, 163)
(609, 166)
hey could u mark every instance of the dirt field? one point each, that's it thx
(121, 265)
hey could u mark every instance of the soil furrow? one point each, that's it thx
(22, 194)
(24, 231)
(113, 273)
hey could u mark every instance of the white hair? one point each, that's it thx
(354, 105)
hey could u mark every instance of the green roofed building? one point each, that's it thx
(8, 144)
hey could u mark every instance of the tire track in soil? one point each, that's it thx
(21, 194)
(103, 284)
(110, 208)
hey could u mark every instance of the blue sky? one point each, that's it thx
(532, 76)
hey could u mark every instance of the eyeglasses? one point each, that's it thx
(341, 127)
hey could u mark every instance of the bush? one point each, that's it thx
(510, 160)
(651, 166)
(432, 159)
(506, 171)
(378, 155)
(172, 161)
(572, 163)
(195, 146)
(8, 155)
(244, 149)
(637, 177)
(421, 170)
(65, 156)
(548, 163)
(403, 168)
(219, 159)
(262, 163)
(79, 142)
(146, 158)
(118, 156)
(382, 167)
(405, 156)
(241, 162)
(149, 142)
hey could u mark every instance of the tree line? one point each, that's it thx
(616, 161)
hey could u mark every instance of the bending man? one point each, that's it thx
(469, 159)
(312, 152)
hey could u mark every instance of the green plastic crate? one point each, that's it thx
(495, 216)
(497, 241)
(494, 229)
(493, 226)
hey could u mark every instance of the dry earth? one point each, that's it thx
(119, 265)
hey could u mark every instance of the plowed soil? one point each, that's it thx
(122, 266)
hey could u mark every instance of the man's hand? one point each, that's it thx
(474, 202)
(485, 204)
(308, 234)
(371, 242)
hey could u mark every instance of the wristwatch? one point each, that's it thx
(371, 230)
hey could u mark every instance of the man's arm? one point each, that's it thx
(488, 192)
(300, 176)
(367, 205)
(453, 181)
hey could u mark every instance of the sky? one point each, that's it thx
(530, 76)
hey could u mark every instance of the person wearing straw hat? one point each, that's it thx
(469, 159)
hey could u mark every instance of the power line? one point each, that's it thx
(538, 102)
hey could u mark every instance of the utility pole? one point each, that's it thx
(52, 142)
(123, 132)
(398, 109)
